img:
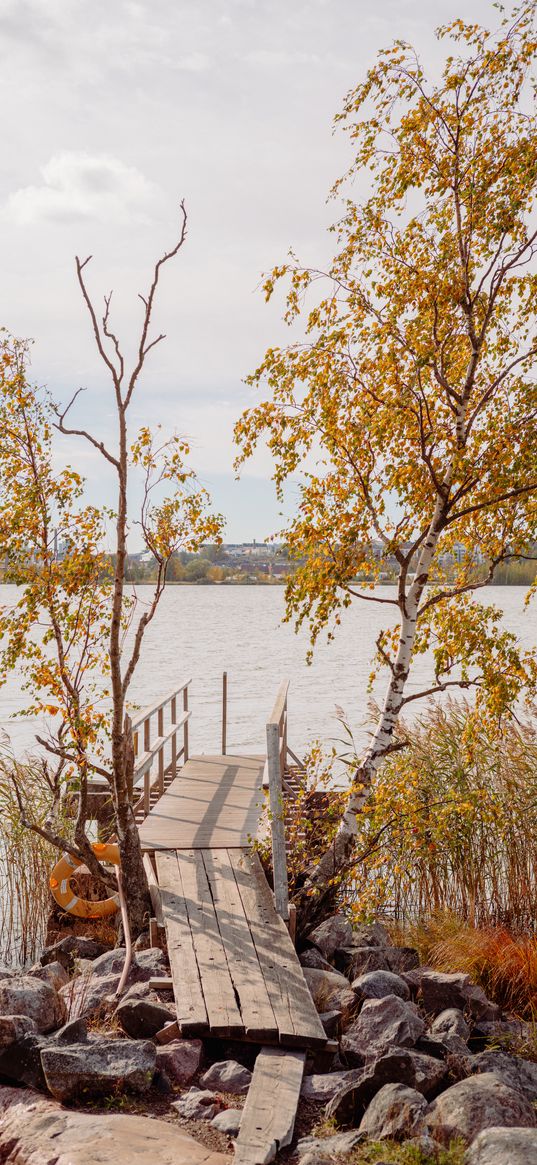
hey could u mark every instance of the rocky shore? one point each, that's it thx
(417, 1056)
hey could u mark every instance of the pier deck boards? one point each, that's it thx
(234, 968)
(215, 802)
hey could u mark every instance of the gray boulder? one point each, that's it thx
(70, 948)
(402, 959)
(450, 1022)
(88, 994)
(354, 961)
(332, 933)
(313, 958)
(477, 1103)
(331, 991)
(322, 1086)
(382, 1024)
(370, 934)
(53, 973)
(97, 1067)
(503, 1147)
(429, 1074)
(518, 1073)
(396, 1112)
(227, 1076)
(331, 1021)
(197, 1104)
(228, 1121)
(349, 1103)
(12, 1027)
(38, 1001)
(377, 984)
(440, 991)
(180, 1060)
(329, 1147)
(143, 1015)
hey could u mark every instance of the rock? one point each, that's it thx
(228, 1076)
(505, 1030)
(331, 1021)
(72, 947)
(354, 961)
(143, 1018)
(6, 972)
(143, 942)
(372, 934)
(228, 1121)
(450, 1022)
(39, 1001)
(313, 958)
(12, 1027)
(440, 991)
(402, 959)
(377, 984)
(315, 1157)
(355, 1093)
(180, 1060)
(477, 1103)
(321, 1087)
(331, 991)
(20, 1063)
(334, 1146)
(90, 993)
(332, 933)
(381, 1024)
(35, 1130)
(396, 1112)
(145, 964)
(97, 1067)
(197, 1104)
(518, 1073)
(75, 1031)
(428, 1073)
(53, 973)
(501, 1146)
(479, 1006)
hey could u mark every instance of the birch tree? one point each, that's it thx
(68, 628)
(408, 404)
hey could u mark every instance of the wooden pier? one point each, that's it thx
(234, 969)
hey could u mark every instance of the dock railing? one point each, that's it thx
(276, 759)
(151, 765)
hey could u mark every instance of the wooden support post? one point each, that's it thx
(153, 933)
(147, 792)
(174, 737)
(160, 753)
(224, 713)
(185, 726)
(277, 824)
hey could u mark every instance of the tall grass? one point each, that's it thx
(452, 825)
(25, 864)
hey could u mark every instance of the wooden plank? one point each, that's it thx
(191, 1010)
(268, 1118)
(215, 802)
(246, 974)
(294, 1010)
(154, 890)
(219, 995)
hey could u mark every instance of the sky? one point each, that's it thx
(113, 112)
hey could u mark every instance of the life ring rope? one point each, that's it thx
(62, 891)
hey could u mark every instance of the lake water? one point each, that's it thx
(200, 631)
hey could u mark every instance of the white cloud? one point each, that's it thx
(280, 58)
(194, 63)
(79, 185)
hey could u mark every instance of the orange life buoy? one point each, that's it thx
(60, 884)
